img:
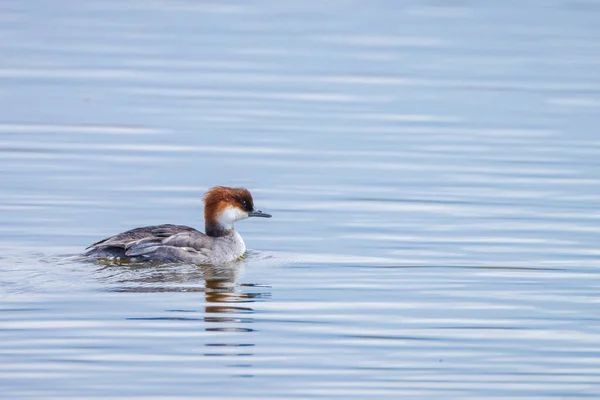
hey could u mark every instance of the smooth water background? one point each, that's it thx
(432, 168)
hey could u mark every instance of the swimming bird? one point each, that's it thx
(178, 243)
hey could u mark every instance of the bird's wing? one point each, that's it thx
(188, 245)
(125, 240)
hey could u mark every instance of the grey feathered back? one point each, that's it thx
(167, 242)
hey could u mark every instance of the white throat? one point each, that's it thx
(229, 215)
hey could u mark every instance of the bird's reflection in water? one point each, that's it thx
(227, 304)
(228, 310)
(222, 298)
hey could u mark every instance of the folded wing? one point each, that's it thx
(168, 243)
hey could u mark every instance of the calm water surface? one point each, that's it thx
(432, 167)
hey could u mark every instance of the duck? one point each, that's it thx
(168, 243)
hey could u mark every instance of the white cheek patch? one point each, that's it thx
(231, 214)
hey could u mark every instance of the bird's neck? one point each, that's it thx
(215, 229)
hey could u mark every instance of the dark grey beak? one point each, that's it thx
(259, 213)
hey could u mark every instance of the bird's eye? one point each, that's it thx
(246, 204)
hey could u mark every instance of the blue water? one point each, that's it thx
(432, 170)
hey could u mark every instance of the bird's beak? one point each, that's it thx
(259, 213)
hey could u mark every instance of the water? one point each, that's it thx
(432, 169)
